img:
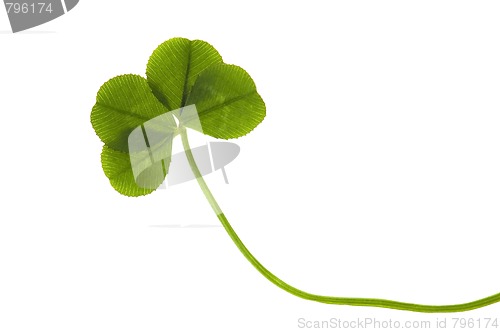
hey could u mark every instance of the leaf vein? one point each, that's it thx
(226, 103)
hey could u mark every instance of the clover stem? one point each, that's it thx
(197, 173)
(369, 302)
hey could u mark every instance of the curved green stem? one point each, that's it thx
(369, 302)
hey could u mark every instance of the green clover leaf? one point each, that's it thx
(118, 169)
(174, 66)
(123, 103)
(227, 102)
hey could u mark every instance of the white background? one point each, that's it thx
(374, 174)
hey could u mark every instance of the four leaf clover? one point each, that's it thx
(180, 72)
(183, 76)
